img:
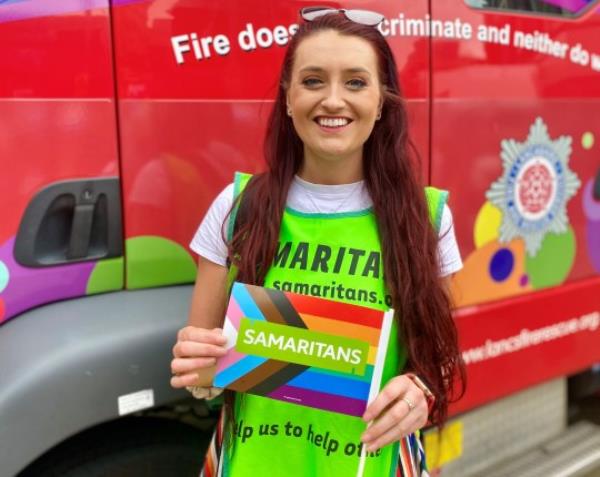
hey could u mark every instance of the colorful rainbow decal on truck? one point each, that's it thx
(523, 238)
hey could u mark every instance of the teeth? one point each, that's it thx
(333, 122)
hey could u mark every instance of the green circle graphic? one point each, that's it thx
(587, 140)
(553, 262)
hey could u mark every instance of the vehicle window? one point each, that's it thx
(565, 8)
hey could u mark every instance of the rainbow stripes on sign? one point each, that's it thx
(343, 392)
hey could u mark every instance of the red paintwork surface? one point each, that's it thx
(57, 115)
(47, 141)
(147, 67)
(484, 93)
(477, 162)
(502, 375)
(186, 130)
(61, 56)
(57, 121)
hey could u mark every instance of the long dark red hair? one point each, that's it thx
(409, 242)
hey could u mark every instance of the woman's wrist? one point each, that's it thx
(429, 396)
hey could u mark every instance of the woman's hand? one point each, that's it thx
(196, 349)
(393, 417)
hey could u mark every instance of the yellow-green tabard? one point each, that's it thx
(338, 257)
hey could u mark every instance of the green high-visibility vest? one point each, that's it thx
(335, 256)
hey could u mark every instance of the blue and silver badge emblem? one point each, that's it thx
(535, 187)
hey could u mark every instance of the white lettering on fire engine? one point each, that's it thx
(527, 338)
(249, 39)
(253, 37)
(201, 47)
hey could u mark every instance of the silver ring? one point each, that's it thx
(409, 403)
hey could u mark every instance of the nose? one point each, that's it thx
(333, 99)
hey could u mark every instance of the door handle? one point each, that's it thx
(71, 221)
(81, 229)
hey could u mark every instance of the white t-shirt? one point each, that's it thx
(313, 198)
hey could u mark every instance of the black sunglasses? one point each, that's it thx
(364, 17)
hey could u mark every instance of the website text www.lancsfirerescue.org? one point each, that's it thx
(527, 338)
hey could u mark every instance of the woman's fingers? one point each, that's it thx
(193, 349)
(187, 365)
(408, 425)
(397, 421)
(196, 342)
(183, 380)
(196, 350)
(202, 335)
(391, 417)
(392, 391)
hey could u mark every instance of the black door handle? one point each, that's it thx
(71, 221)
(81, 230)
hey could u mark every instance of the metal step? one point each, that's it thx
(572, 454)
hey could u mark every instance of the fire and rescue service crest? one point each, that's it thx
(535, 187)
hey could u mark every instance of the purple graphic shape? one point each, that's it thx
(30, 287)
(41, 8)
(502, 264)
(574, 6)
(593, 243)
(591, 206)
(325, 401)
(524, 280)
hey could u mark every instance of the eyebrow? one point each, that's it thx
(318, 69)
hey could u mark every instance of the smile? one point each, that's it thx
(332, 123)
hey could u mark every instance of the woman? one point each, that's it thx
(340, 176)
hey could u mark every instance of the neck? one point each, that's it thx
(331, 170)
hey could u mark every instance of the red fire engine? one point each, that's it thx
(120, 122)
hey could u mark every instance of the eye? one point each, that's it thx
(312, 82)
(356, 83)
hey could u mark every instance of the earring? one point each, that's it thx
(378, 116)
(289, 112)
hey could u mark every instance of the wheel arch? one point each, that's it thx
(65, 365)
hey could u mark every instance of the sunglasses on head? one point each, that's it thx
(364, 17)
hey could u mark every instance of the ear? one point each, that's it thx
(287, 105)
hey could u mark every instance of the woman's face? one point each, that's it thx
(334, 95)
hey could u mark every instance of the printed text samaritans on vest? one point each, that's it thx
(323, 258)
